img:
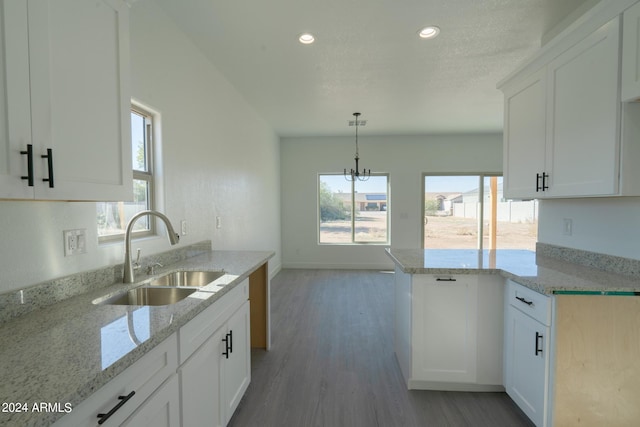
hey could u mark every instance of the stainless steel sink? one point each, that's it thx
(148, 296)
(186, 278)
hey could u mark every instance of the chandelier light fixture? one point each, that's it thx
(356, 174)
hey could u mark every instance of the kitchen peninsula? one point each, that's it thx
(559, 334)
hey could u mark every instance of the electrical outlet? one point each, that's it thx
(183, 227)
(75, 241)
(567, 226)
(218, 222)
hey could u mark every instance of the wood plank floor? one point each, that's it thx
(332, 363)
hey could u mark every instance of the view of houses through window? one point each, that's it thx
(353, 212)
(459, 208)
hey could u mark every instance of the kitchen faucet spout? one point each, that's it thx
(174, 238)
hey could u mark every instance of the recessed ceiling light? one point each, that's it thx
(429, 32)
(306, 38)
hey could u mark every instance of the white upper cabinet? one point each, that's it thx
(583, 116)
(525, 131)
(566, 133)
(75, 102)
(15, 111)
(631, 53)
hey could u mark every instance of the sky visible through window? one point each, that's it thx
(339, 184)
(457, 184)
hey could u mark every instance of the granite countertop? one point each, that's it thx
(65, 352)
(542, 273)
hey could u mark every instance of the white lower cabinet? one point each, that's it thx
(216, 376)
(527, 351)
(444, 334)
(161, 409)
(216, 361)
(448, 331)
(144, 392)
(201, 372)
(236, 368)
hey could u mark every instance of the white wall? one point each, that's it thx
(405, 158)
(220, 158)
(604, 225)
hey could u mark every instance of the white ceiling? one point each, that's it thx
(368, 58)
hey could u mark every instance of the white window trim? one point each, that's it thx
(387, 242)
(154, 156)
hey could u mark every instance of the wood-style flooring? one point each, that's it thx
(332, 363)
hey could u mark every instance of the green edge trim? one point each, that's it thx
(612, 293)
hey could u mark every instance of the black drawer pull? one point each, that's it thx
(538, 347)
(29, 154)
(49, 157)
(538, 187)
(545, 176)
(123, 400)
(521, 299)
(450, 279)
(227, 346)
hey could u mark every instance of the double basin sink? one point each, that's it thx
(167, 289)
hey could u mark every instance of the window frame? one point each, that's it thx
(353, 241)
(148, 175)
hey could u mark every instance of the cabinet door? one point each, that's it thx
(79, 69)
(631, 54)
(526, 369)
(161, 409)
(444, 328)
(145, 377)
(583, 110)
(15, 110)
(237, 368)
(200, 378)
(402, 321)
(525, 136)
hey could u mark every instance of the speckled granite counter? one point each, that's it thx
(62, 353)
(545, 274)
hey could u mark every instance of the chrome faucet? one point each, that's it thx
(174, 238)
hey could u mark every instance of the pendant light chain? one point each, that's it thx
(356, 174)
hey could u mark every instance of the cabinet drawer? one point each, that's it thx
(143, 378)
(530, 302)
(201, 327)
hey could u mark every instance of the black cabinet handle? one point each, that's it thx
(227, 347)
(538, 347)
(545, 187)
(521, 299)
(49, 157)
(449, 279)
(538, 187)
(230, 341)
(123, 400)
(29, 154)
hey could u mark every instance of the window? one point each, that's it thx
(459, 208)
(114, 216)
(353, 212)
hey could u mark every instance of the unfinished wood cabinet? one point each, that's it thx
(597, 369)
